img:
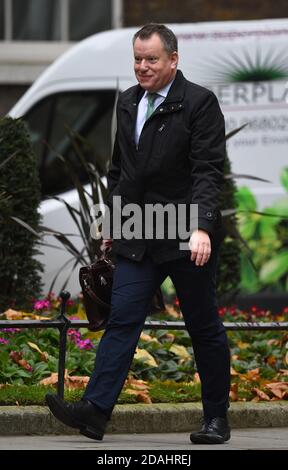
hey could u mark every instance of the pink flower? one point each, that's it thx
(74, 335)
(10, 330)
(85, 344)
(4, 341)
(42, 305)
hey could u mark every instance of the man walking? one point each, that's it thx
(169, 148)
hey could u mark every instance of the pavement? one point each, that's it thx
(255, 425)
(261, 439)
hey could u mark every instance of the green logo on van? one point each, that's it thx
(272, 66)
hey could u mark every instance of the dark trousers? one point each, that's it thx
(133, 288)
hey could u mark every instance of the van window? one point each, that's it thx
(87, 113)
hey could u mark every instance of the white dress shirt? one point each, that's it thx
(142, 108)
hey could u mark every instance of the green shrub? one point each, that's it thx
(19, 181)
(266, 234)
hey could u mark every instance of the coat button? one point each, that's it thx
(209, 214)
(133, 255)
(161, 109)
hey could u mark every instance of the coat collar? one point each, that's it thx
(175, 94)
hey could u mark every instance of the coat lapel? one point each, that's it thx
(129, 106)
(130, 102)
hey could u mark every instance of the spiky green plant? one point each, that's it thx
(88, 195)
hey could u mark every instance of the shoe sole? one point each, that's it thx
(89, 432)
(209, 439)
(55, 405)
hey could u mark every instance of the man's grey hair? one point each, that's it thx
(166, 35)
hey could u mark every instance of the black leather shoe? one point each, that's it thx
(81, 415)
(214, 431)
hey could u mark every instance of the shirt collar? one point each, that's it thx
(164, 91)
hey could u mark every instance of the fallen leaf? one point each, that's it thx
(17, 357)
(148, 338)
(253, 374)
(34, 346)
(272, 342)
(173, 312)
(242, 345)
(70, 381)
(271, 360)
(76, 381)
(13, 314)
(145, 356)
(32, 316)
(43, 355)
(180, 351)
(18, 315)
(140, 396)
(234, 392)
(279, 389)
(260, 394)
(233, 372)
(52, 379)
(169, 336)
(137, 384)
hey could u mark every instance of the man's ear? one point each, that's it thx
(174, 60)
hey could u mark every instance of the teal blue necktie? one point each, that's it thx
(151, 97)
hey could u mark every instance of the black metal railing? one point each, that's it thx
(62, 323)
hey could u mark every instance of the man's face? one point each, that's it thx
(154, 67)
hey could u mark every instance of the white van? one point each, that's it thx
(244, 62)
